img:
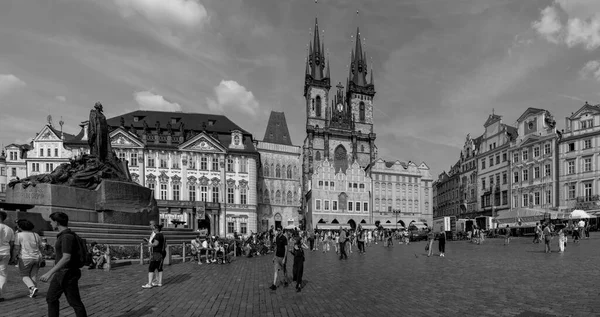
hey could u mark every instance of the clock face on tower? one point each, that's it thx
(340, 107)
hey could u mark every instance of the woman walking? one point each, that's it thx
(507, 236)
(442, 242)
(430, 238)
(158, 244)
(28, 246)
(561, 239)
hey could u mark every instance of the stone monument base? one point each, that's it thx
(111, 202)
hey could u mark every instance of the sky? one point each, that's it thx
(440, 67)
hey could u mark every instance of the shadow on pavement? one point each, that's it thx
(142, 311)
(176, 279)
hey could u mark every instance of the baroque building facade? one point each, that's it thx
(279, 177)
(494, 166)
(13, 165)
(579, 160)
(534, 161)
(448, 186)
(402, 192)
(468, 190)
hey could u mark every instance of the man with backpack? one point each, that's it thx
(70, 253)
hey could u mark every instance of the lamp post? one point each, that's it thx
(224, 179)
(396, 212)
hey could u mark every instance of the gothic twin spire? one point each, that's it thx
(315, 63)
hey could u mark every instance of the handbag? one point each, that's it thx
(42, 261)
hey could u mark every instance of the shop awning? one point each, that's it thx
(391, 226)
(332, 226)
(367, 226)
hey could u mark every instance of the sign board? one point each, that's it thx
(441, 224)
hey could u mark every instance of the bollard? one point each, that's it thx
(167, 260)
(107, 265)
(141, 254)
(183, 253)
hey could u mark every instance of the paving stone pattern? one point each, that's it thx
(472, 280)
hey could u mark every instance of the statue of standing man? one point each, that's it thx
(98, 139)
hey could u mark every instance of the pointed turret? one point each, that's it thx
(372, 83)
(315, 68)
(358, 80)
(328, 75)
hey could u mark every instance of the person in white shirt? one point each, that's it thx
(28, 245)
(7, 238)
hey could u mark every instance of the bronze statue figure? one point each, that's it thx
(98, 134)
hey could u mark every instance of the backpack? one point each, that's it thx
(84, 256)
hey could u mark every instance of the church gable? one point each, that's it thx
(202, 143)
(121, 138)
(586, 110)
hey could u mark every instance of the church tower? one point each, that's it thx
(359, 94)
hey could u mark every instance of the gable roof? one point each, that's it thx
(277, 129)
(529, 111)
(585, 107)
(492, 119)
(192, 121)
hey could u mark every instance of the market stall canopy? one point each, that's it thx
(579, 214)
(333, 226)
(523, 215)
(367, 226)
(391, 226)
(291, 227)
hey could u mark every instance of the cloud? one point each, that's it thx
(150, 101)
(590, 70)
(581, 28)
(9, 83)
(183, 13)
(61, 98)
(232, 96)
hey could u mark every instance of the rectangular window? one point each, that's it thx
(2, 188)
(587, 164)
(3, 171)
(243, 228)
(192, 193)
(175, 191)
(525, 155)
(525, 175)
(483, 164)
(536, 198)
(192, 163)
(203, 163)
(204, 193)
(48, 152)
(548, 197)
(152, 186)
(504, 157)
(536, 151)
(571, 167)
(504, 178)
(163, 191)
(163, 161)
(243, 165)
(13, 171)
(134, 159)
(122, 156)
(41, 152)
(483, 183)
(215, 194)
(243, 196)
(504, 198)
(587, 144)
(334, 205)
(587, 191)
(358, 206)
(350, 205)
(515, 177)
(491, 158)
(497, 159)
(230, 195)
(365, 206)
(175, 159)
(56, 152)
(151, 161)
(327, 184)
(547, 148)
(525, 201)
(497, 179)
(230, 227)
(515, 157)
(547, 170)
(318, 204)
(215, 164)
(571, 147)
(571, 189)
(326, 204)
(230, 165)
(536, 172)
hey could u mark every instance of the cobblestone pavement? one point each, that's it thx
(472, 280)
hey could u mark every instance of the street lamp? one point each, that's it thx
(396, 212)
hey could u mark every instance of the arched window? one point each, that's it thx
(266, 170)
(277, 171)
(289, 172)
(362, 148)
(318, 106)
(266, 196)
(361, 111)
(340, 159)
(272, 170)
(295, 171)
(289, 198)
(318, 156)
(283, 171)
(278, 197)
(295, 197)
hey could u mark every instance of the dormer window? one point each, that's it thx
(211, 122)
(173, 120)
(136, 119)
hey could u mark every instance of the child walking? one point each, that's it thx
(298, 268)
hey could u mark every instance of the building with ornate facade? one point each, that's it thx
(402, 192)
(448, 190)
(3, 175)
(338, 197)
(13, 165)
(579, 160)
(340, 132)
(468, 190)
(279, 177)
(534, 161)
(493, 162)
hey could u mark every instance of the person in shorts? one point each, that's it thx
(159, 247)
(28, 247)
(280, 258)
(7, 239)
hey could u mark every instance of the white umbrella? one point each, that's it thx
(291, 227)
(579, 214)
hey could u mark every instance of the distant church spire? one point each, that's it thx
(316, 58)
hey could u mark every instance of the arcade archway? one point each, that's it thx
(352, 224)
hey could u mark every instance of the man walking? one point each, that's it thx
(7, 239)
(343, 244)
(65, 274)
(280, 258)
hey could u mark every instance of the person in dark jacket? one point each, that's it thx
(298, 268)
